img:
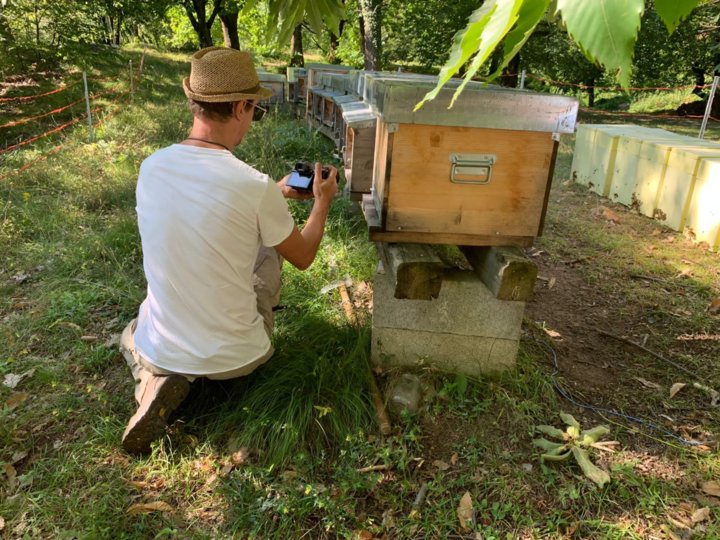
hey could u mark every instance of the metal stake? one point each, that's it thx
(132, 89)
(87, 108)
(522, 79)
(709, 106)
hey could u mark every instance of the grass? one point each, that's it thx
(71, 277)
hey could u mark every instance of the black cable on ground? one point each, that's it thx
(566, 395)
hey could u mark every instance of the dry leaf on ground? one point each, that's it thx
(700, 515)
(552, 333)
(610, 215)
(2, 523)
(16, 399)
(714, 307)
(12, 379)
(11, 475)
(454, 459)
(362, 535)
(711, 488)
(647, 383)
(441, 465)
(675, 388)
(465, 511)
(146, 508)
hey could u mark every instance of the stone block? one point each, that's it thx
(465, 329)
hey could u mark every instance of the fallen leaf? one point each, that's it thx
(441, 465)
(647, 383)
(675, 388)
(454, 459)
(714, 308)
(113, 341)
(362, 535)
(18, 456)
(610, 215)
(702, 514)
(11, 474)
(684, 273)
(88, 338)
(552, 333)
(2, 523)
(465, 511)
(12, 379)
(240, 457)
(21, 278)
(711, 488)
(16, 399)
(146, 508)
(552, 282)
(226, 468)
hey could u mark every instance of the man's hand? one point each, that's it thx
(325, 190)
(291, 193)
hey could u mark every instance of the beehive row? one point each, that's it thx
(475, 174)
(672, 178)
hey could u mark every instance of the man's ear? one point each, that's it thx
(238, 109)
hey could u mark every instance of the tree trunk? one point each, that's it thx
(297, 58)
(334, 43)
(371, 11)
(229, 21)
(591, 92)
(196, 12)
(361, 21)
(509, 75)
(118, 25)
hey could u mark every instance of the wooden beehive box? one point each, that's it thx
(276, 82)
(296, 78)
(676, 193)
(477, 174)
(359, 149)
(339, 127)
(314, 74)
(703, 216)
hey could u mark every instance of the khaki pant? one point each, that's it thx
(266, 282)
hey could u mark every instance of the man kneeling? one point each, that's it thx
(214, 234)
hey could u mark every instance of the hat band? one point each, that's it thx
(253, 90)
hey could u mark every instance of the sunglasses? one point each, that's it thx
(258, 112)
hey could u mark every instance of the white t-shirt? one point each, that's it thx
(202, 215)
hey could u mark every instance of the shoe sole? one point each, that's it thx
(148, 424)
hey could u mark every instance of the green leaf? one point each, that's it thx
(530, 14)
(465, 43)
(605, 30)
(556, 457)
(548, 446)
(569, 420)
(672, 12)
(593, 472)
(497, 27)
(594, 435)
(551, 431)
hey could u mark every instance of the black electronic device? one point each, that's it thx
(303, 174)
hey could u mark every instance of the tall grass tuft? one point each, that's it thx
(306, 400)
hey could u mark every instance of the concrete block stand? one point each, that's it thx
(464, 330)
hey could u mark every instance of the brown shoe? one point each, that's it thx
(162, 396)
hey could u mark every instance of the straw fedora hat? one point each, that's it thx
(219, 75)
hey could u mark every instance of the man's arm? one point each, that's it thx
(300, 248)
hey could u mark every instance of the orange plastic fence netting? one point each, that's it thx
(36, 96)
(59, 147)
(54, 111)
